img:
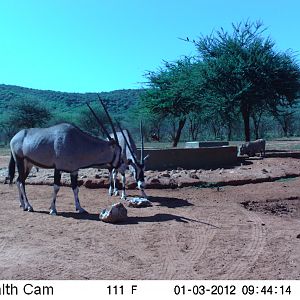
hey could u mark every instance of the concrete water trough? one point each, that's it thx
(197, 144)
(191, 158)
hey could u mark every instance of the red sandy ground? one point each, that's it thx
(249, 231)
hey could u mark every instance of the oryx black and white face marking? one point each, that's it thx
(138, 170)
(129, 161)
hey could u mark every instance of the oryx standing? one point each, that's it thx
(64, 148)
(129, 161)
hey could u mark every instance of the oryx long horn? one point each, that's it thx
(99, 122)
(127, 143)
(110, 120)
(142, 143)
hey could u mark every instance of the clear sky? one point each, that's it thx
(104, 45)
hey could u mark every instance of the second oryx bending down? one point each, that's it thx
(129, 161)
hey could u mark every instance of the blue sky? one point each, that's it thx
(104, 45)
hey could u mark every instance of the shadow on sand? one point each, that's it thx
(170, 202)
(130, 220)
(160, 217)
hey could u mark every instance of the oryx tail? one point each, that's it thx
(11, 169)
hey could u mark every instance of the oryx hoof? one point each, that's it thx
(81, 210)
(124, 198)
(30, 209)
(53, 212)
(116, 193)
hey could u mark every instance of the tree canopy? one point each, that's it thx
(238, 73)
(174, 90)
(245, 72)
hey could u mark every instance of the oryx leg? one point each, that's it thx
(144, 195)
(141, 187)
(123, 196)
(24, 168)
(110, 190)
(114, 179)
(113, 190)
(56, 187)
(74, 184)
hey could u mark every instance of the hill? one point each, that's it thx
(118, 101)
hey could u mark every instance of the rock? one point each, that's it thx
(96, 183)
(91, 184)
(116, 213)
(165, 175)
(177, 175)
(194, 176)
(80, 182)
(153, 183)
(131, 185)
(139, 202)
(154, 180)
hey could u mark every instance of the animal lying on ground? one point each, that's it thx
(251, 148)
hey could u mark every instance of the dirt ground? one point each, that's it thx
(237, 223)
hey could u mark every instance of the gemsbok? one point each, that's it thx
(64, 148)
(129, 161)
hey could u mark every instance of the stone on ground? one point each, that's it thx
(139, 202)
(116, 213)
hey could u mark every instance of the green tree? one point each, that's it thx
(174, 91)
(244, 71)
(27, 114)
(86, 121)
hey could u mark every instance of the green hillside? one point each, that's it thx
(117, 101)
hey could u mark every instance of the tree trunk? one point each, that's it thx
(229, 132)
(178, 132)
(256, 117)
(285, 128)
(215, 130)
(194, 127)
(246, 118)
